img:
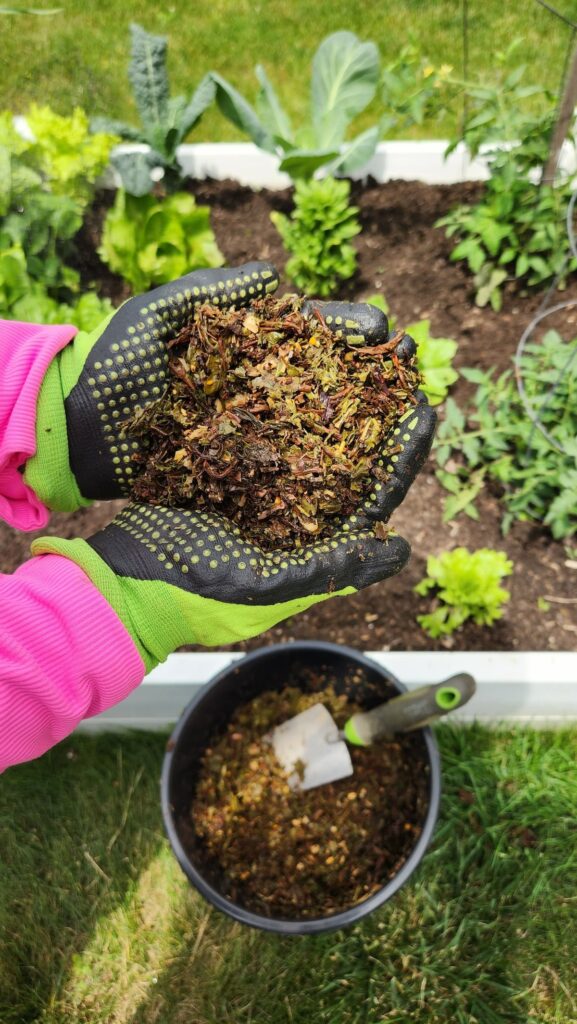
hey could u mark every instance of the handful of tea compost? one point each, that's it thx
(273, 419)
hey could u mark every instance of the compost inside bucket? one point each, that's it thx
(300, 855)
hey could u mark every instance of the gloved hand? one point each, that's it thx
(177, 577)
(99, 379)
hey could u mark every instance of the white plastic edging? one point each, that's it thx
(407, 160)
(402, 160)
(248, 165)
(534, 687)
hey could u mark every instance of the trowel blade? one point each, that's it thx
(310, 750)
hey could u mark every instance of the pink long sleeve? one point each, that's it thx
(64, 656)
(26, 350)
(64, 653)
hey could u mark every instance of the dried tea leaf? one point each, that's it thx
(270, 420)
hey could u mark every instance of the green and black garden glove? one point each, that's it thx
(178, 577)
(100, 379)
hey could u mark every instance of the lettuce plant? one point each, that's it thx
(318, 235)
(165, 120)
(46, 181)
(68, 155)
(435, 358)
(345, 74)
(467, 586)
(150, 241)
(23, 298)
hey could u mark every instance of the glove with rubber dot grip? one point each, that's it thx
(176, 576)
(99, 380)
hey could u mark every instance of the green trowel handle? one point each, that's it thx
(410, 710)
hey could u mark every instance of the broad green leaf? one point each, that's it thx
(453, 415)
(302, 163)
(125, 131)
(134, 170)
(201, 98)
(239, 111)
(270, 109)
(344, 81)
(357, 153)
(450, 481)
(434, 356)
(475, 376)
(488, 290)
(148, 75)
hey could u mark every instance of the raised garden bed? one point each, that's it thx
(402, 256)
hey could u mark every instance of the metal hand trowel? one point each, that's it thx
(312, 749)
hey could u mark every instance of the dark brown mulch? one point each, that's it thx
(405, 258)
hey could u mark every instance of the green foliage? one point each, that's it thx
(496, 439)
(435, 357)
(66, 153)
(518, 228)
(165, 120)
(344, 80)
(45, 184)
(466, 585)
(23, 298)
(43, 228)
(87, 312)
(318, 234)
(381, 303)
(151, 241)
(14, 279)
(414, 91)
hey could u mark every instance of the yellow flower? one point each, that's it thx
(445, 70)
(428, 70)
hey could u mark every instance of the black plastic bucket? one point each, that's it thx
(272, 668)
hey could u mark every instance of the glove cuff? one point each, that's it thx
(161, 617)
(111, 586)
(48, 471)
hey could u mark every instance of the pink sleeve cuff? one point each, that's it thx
(26, 350)
(64, 656)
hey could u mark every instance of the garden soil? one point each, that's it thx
(405, 258)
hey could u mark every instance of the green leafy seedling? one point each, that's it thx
(151, 241)
(467, 586)
(318, 235)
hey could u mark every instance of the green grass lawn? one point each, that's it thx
(98, 925)
(79, 56)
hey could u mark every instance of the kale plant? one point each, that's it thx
(165, 120)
